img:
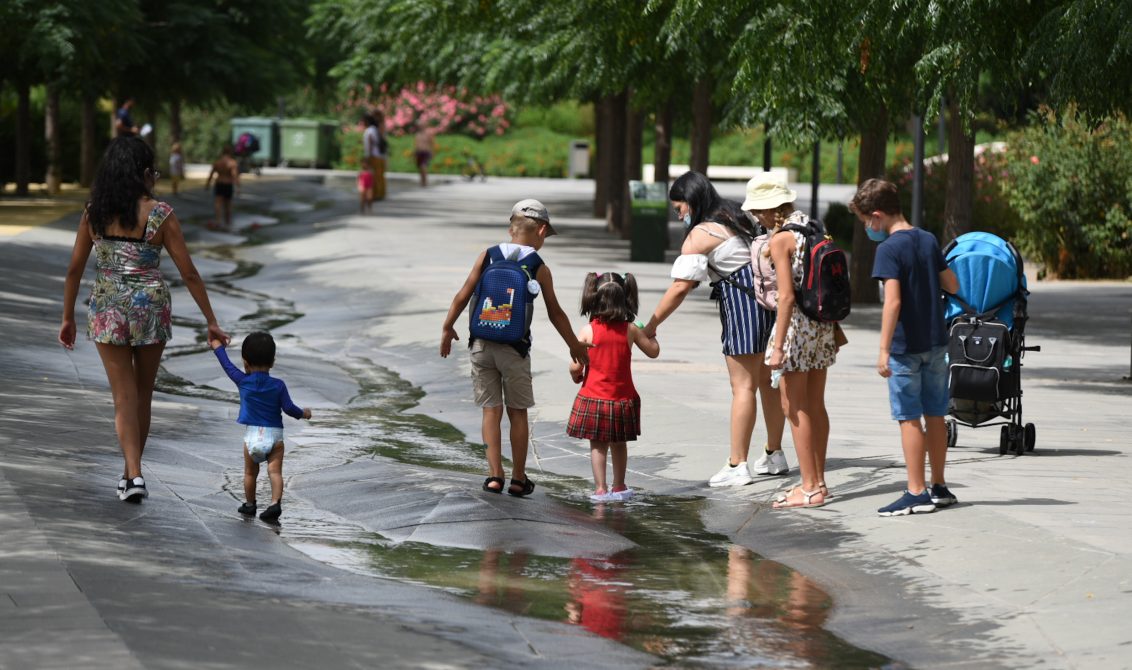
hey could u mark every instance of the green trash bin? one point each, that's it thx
(266, 130)
(306, 142)
(649, 235)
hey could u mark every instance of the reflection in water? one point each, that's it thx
(683, 594)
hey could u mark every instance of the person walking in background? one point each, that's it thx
(801, 348)
(501, 370)
(424, 145)
(176, 167)
(607, 410)
(263, 400)
(130, 311)
(717, 239)
(365, 191)
(227, 172)
(124, 121)
(913, 340)
(374, 150)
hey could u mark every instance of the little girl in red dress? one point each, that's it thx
(607, 411)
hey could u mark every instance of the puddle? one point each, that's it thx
(686, 595)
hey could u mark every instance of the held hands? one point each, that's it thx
(447, 335)
(216, 336)
(580, 352)
(577, 372)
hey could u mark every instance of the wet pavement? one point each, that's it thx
(388, 548)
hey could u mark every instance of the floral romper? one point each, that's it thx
(130, 303)
(809, 344)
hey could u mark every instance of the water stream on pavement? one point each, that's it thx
(684, 594)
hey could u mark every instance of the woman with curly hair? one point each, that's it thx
(130, 311)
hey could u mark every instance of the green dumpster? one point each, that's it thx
(266, 130)
(306, 142)
(649, 234)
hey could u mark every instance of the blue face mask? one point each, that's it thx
(876, 235)
(687, 220)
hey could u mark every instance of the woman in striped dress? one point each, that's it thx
(716, 248)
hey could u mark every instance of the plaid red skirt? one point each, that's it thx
(605, 420)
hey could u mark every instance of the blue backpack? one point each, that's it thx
(503, 303)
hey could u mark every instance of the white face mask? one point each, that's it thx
(687, 220)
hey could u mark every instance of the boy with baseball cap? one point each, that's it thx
(501, 372)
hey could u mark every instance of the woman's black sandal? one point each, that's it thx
(493, 480)
(528, 487)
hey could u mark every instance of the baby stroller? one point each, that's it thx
(987, 339)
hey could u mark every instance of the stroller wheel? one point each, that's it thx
(1003, 440)
(1017, 439)
(952, 433)
(1030, 436)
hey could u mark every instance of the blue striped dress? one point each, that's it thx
(746, 324)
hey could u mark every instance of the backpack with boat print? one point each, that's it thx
(503, 303)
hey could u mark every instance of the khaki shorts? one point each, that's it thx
(501, 376)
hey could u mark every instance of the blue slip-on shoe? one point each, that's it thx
(909, 503)
(941, 496)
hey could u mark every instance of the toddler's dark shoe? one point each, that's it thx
(272, 513)
(247, 509)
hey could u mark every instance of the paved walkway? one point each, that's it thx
(1030, 570)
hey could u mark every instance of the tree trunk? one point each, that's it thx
(23, 132)
(618, 186)
(88, 152)
(602, 153)
(54, 173)
(701, 125)
(870, 163)
(634, 129)
(662, 151)
(175, 120)
(958, 208)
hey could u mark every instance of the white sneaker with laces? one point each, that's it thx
(773, 463)
(738, 475)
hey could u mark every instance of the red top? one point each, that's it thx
(608, 376)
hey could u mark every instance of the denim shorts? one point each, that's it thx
(918, 385)
(260, 440)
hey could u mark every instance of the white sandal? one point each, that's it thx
(807, 500)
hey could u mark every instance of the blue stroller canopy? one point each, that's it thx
(990, 273)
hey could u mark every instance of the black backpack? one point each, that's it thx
(824, 294)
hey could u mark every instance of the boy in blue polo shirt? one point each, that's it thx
(263, 399)
(913, 340)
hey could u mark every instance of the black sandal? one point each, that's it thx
(493, 480)
(528, 487)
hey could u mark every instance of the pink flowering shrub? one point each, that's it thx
(446, 110)
(992, 212)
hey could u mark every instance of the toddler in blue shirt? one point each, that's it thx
(263, 399)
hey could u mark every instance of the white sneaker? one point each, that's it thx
(731, 476)
(773, 463)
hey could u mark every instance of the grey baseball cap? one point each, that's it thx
(534, 209)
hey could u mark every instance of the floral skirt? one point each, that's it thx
(129, 316)
(605, 420)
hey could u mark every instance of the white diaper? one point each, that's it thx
(260, 440)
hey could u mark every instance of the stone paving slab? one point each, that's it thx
(1031, 569)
